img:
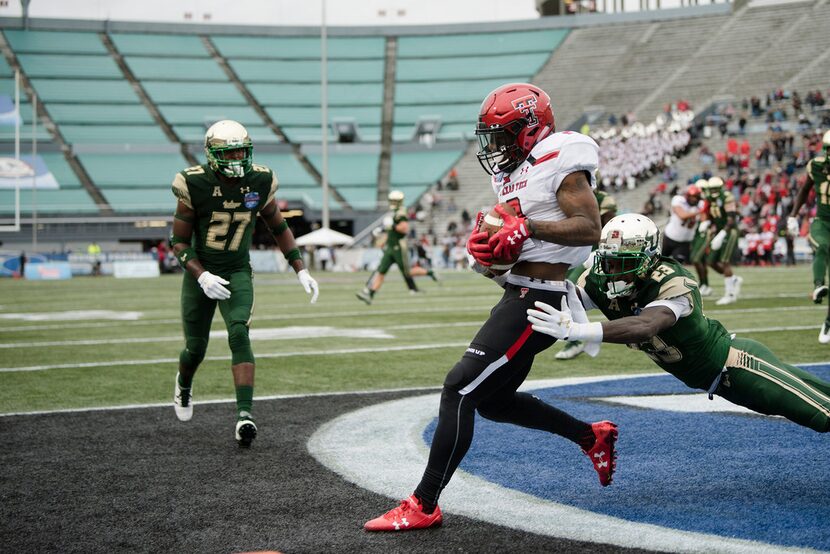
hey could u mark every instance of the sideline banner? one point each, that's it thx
(48, 271)
(135, 269)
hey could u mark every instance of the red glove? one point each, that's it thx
(477, 243)
(506, 243)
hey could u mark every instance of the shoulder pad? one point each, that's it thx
(261, 168)
(195, 170)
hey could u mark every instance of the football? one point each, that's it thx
(491, 223)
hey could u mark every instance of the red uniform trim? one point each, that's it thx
(546, 157)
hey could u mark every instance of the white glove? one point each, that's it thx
(717, 242)
(212, 285)
(387, 222)
(560, 325)
(703, 225)
(309, 284)
(792, 226)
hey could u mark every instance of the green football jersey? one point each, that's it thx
(393, 237)
(819, 170)
(720, 208)
(605, 202)
(225, 213)
(695, 348)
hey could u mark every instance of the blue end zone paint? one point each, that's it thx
(732, 475)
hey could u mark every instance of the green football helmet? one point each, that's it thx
(629, 247)
(229, 149)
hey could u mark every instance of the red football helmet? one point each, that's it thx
(512, 119)
(693, 192)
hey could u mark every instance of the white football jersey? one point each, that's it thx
(677, 229)
(531, 190)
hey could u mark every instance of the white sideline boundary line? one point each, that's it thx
(326, 352)
(379, 451)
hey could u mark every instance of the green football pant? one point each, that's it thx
(727, 249)
(819, 238)
(756, 379)
(395, 255)
(700, 243)
(197, 315)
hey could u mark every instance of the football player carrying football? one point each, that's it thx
(218, 203)
(818, 177)
(395, 251)
(548, 178)
(653, 305)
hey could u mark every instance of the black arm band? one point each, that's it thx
(186, 219)
(174, 239)
(280, 229)
(293, 254)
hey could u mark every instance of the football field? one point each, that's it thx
(93, 342)
(95, 459)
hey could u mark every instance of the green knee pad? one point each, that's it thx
(240, 344)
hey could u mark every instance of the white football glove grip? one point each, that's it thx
(309, 284)
(212, 285)
(703, 226)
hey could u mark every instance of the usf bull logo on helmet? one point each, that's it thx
(629, 247)
(229, 149)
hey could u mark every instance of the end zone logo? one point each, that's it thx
(526, 105)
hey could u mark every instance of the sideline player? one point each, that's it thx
(218, 203)
(721, 211)
(548, 178)
(395, 251)
(818, 177)
(680, 230)
(653, 304)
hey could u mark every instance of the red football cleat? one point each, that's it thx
(406, 517)
(602, 454)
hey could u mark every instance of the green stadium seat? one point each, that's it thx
(483, 67)
(450, 92)
(114, 134)
(61, 169)
(349, 169)
(466, 113)
(87, 91)
(260, 134)
(198, 115)
(409, 168)
(69, 66)
(308, 71)
(296, 48)
(122, 170)
(290, 173)
(175, 69)
(311, 197)
(55, 42)
(310, 116)
(136, 44)
(59, 202)
(360, 198)
(141, 200)
(339, 94)
(124, 114)
(187, 93)
(478, 44)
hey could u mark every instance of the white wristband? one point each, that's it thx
(586, 332)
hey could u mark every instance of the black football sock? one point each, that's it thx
(427, 507)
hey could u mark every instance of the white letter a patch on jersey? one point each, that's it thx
(217, 191)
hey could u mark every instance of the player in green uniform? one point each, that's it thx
(719, 223)
(818, 177)
(700, 246)
(607, 211)
(395, 251)
(218, 203)
(653, 305)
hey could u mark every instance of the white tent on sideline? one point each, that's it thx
(324, 237)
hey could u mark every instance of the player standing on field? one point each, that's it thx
(218, 203)
(548, 178)
(653, 305)
(818, 177)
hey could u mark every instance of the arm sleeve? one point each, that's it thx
(680, 305)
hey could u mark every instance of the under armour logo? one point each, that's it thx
(243, 190)
(398, 524)
(512, 238)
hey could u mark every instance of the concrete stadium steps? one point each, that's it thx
(575, 69)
